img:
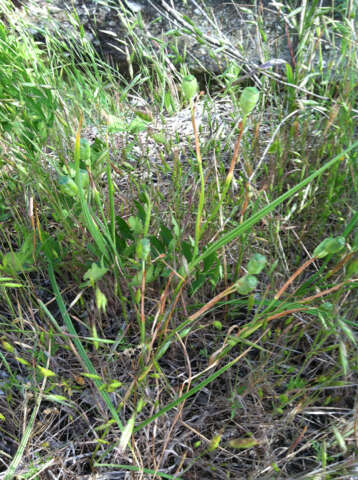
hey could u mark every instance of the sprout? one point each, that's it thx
(189, 86)
(248, 100)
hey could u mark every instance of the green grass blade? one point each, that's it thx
(90, 223)
(250, 222)
(82, 352)
(10, 473)
(191, 392)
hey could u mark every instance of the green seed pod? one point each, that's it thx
(189, 86)
(248, 100)
(143, 248)
(85, 152)
(329, 246)
(68, 186)
(246, 284)
(256, 264)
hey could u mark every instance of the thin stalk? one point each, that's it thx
(142, 310)
(10, 472)
(229, 176)
(293, 276)
(111, 196)
(80, 349)
(202, 182)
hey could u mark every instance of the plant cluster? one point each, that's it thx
(205, 329)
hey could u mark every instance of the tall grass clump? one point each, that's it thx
(177, 283)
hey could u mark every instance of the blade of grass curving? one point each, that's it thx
(250, 222)
(81, 351)
(191, 392)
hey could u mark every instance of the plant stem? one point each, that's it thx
(202, 182)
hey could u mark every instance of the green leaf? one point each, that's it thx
(187, 251)
(95, 273)
(68, 185)
(123, 228)
(136, 225)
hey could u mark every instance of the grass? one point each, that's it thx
(178, 271)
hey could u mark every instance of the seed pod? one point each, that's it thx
(68, 185)
(189, 86)
(256, 264)
(248, 100)
(143, 249)
(328, 246)
(85, 152)
(246, 284)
